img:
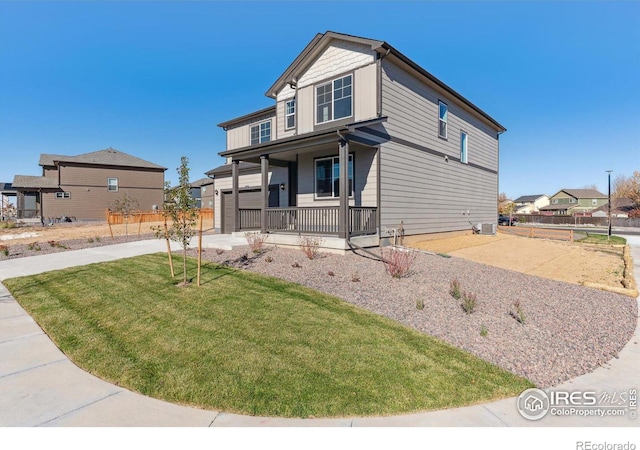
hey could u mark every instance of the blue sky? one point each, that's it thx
(154, 78)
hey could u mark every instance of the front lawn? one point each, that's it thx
(595, 238)
(249, 344)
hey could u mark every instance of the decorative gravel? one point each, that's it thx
(569, 330)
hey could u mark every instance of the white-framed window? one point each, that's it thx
(443, 117)
(594, 202)
(63, 194)
(334, 100)
(290, 114)
(261, 133)
(572, 200)
(554, 201)
(112, 185)
(327, 174)
(463, 147)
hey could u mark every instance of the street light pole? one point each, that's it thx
(609, 205)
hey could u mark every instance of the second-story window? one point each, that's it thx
(112, 184)
(290, 114)
(261, 133)
(443, 117)
(334, 100)
(463, 147)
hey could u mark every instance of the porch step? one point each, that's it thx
(223, 241)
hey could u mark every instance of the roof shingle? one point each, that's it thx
(106, 157)
(29, 181)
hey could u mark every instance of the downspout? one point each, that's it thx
(353, 246)
(293, 84)
(379, 64)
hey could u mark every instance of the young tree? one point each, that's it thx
(180, 207)
(125, 206)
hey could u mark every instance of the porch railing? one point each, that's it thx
(321, 220)
(363, 220)
(250, 219)
(316, 220)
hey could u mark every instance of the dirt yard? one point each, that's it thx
(61, 232)
(570, 262)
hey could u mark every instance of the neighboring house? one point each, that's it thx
(202, 192)
(574, 201)
(528, 204)
(620, 208)
(84, 186)
(360, 141)
(7, 207)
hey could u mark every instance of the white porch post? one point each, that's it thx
(264, 165)
(235, 193)
(343, 211)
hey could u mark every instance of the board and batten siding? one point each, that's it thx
(426, 192)
(277, 175)
(239, 135)
(90, 197)
(365, 167)
(339, 58)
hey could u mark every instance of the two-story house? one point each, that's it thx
(360, 141)
(528, 204)
(574, 201)
(84, 186)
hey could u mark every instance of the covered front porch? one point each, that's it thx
(328, 187)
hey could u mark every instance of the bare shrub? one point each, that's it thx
(469, 302)
(398, 262)
(454, 289)
(310, 245)
(256, 241)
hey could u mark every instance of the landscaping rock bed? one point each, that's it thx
(56, 246)
(568, 330)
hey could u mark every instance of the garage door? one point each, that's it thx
(251, 199)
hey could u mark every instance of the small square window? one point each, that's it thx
(112, 184)
(63, 194)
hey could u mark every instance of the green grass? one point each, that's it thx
(595, 238)
(249, 344)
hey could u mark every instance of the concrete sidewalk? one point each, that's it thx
(39, 386)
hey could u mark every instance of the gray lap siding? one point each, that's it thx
(417, 184)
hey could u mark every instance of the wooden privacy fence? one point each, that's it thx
(118, 218)
(544, 233)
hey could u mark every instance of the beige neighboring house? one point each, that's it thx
(360, 141)
(620, 208)
(575, 201)
(528, 204)
(82, 187)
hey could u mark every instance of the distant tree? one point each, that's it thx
(180, 207)
(125, 206)
(627, 187)
(590, 186)
(505, 205)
